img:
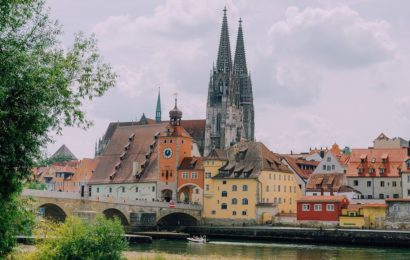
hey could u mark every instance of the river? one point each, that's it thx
(261, 250)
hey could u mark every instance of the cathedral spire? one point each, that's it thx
(224, 61)
(158, 110)
(240, 57)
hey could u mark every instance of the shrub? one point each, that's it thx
(80, 239)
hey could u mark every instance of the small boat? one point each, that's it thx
(196, 239)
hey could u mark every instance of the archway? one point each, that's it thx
(190, 193)
(115, 213)
(167, 195)
(52, 212)
(175, 221)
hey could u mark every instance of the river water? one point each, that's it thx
(268, 250)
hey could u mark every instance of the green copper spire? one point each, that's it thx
(158, 110)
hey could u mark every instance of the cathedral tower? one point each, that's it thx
(229, 112)
(243, 79)
(223, 114)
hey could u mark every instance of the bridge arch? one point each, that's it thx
(53, 212)
(112, 213)
(177, 220)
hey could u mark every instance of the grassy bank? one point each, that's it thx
(23, 252)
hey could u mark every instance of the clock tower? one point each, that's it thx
(174, 144)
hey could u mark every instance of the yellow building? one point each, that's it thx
(363, 216)
(247, 184)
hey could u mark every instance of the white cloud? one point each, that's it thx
(335, 37)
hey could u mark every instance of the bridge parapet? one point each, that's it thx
(76, 196)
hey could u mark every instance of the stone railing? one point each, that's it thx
(142, 203)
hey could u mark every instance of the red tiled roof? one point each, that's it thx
(397, 158)
(294, 164)
(325, 182)
(191, 163)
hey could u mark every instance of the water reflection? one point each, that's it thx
(252, 250)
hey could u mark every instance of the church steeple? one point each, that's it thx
(240, 57)
(158, 109)
(224, 61)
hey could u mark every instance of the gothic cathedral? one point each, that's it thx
(229, 111)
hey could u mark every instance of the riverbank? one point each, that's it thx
(385, 238)
(23, 251)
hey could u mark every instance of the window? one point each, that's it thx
(408, 178)
(267, 188)
(274, 177)
(194, 175)
(275, 200)
(408, 163)
(234, 213)
(328, 159)
(328, 168)
(185, 175)
(381, 196)
(234, 201)
(355, 183)
(305, 207)
(110, 189)
(370, 196)
(136, 189)
(245, 201)
(394, 184)
(318, 207)
(360, 170)
(284, 188)
(382, 184)
(381, 170)
(396, 196)
(223, 182)
(224, 194)
(207, 187)
(396, 208)
(370, 170)
(245, 187)
(123, 189)
(270, 176)
(333, 167)
(213, 212)
(330, 207)
(207, 175)
(234, 188)
(280, 177)
(278, 188)
(224, 206)
(369, 183)
(408, 192)
(244, 213)
(98, 190)
(324, 167)
(153, 188)
(280, 200)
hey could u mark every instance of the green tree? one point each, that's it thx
(78, 239)
(15, 218)
(42, 87)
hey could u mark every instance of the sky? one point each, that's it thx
(323, 71)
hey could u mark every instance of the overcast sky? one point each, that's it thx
(323, 71)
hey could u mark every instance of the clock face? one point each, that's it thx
(167, 153)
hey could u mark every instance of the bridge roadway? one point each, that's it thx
(135, 215)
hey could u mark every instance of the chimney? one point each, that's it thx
(322, 153)
(136, 168)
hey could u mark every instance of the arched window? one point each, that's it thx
(224, 206)
(245, 187)
(224, 194)
(218, 122)
(245, 201)
(234, 188)
(234, 201)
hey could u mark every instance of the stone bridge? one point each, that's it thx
(134, 215)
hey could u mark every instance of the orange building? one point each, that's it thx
(173, 145)
(191, 180)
